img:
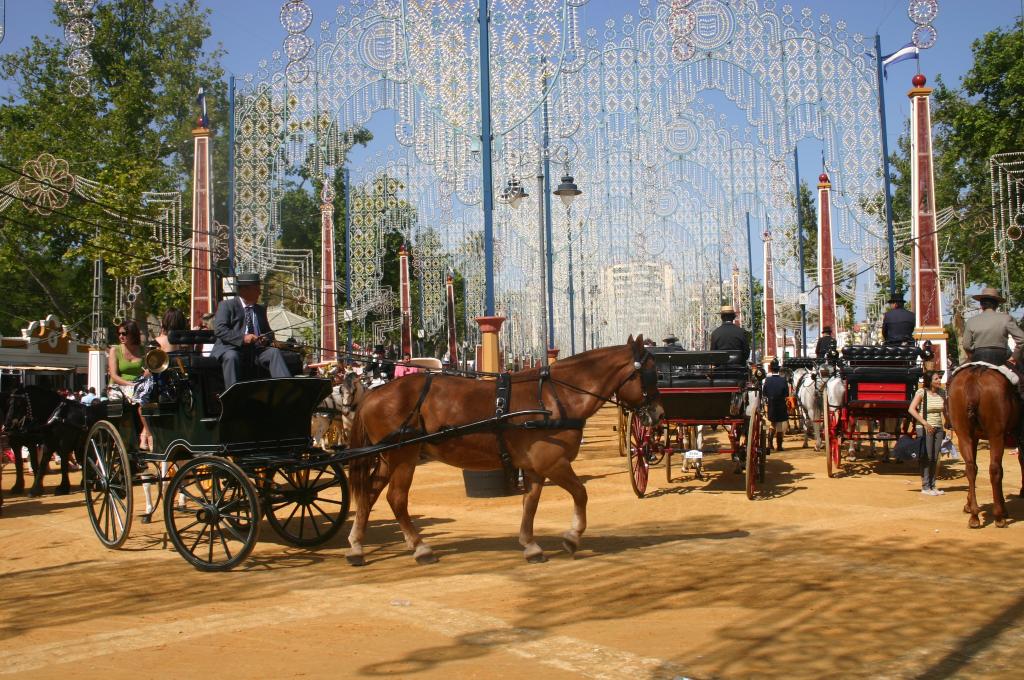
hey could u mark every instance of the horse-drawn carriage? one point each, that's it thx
(227, 457)
(699, 389)
(868, 400)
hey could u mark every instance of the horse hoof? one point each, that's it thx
(974, 523)
(61, 491)
(32, 493)
(539, 558)
(356, 560)
(18, 489)
(146, 519)
(426, 558)
(569, 546)
(1002, 523)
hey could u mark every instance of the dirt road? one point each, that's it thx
(854, 577)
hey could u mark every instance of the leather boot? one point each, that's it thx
(778, 441)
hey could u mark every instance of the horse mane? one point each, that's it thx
(568, 362)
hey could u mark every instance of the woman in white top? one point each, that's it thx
(927, 408)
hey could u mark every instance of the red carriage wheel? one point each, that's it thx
(640, 437)
(623, 431)
(833, 422)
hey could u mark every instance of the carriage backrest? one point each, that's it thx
(272, 410)
(678, 368)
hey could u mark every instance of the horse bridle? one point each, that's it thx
(18, 425)
(648, 384)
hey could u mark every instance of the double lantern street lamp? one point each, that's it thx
(513, 194)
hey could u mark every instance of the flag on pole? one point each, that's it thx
(908, 51)
(204, 120)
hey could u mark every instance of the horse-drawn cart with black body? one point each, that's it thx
(871, 401)
(699, 389)
(227, 458)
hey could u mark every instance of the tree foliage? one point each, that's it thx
(132, 134)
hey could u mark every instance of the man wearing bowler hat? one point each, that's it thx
(898, 323)
(985, 334)
(241, 326)
(672, 342)
(729, 336)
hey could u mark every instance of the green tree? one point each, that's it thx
(981, 117)
(131, 133)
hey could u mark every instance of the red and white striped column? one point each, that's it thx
(927, 291)
(771, 341)
(826, 261)
(405, 299)
(328, 297)
(203, 289)
(453, 347)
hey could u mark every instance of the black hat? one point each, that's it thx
(895, 297)
(827, 329)
(248, 279)
(670, 339)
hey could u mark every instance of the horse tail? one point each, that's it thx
(360, 470)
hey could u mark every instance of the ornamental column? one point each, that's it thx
(771, 341)
(203, 289)
(453, 347)
(490, 358)
(735, 294)
(826, 261)
(405, 298)
(927, 292)
(328, 297)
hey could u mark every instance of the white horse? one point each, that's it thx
(809, 385)
(332, 423)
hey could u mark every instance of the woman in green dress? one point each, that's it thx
(124, 364)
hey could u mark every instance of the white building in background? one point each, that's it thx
(636, 297)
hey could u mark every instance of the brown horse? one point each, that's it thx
(576, 388)
(983, 404)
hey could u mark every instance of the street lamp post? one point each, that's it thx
(568, 191)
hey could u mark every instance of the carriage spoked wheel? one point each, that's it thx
(308, 505)
(833, 437)
(756, 447)
(623, 430)
(107, 481)
(640, 440)
(218, 524)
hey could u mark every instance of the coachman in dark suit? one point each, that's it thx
(898, 324)
(825, 343)
(241, 326)
(729, 336)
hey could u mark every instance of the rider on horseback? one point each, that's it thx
(985, 335)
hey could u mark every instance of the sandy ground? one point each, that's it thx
(859, 576)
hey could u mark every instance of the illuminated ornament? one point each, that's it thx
(79, 33)
(46, 184)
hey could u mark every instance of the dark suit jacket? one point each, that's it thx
(825, 343)
(729, 336)
(898, 326)
(228, 324)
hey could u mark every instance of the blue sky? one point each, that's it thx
(250, 30)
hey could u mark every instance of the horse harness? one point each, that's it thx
(502, 407)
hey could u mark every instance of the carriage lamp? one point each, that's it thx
(567, 190)
(348, 316)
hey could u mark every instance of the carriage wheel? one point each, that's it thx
(107, 481)
(623, 430)
(639, 454)
(833, 437)
(219, 523)
(306, 506)
(755, 449)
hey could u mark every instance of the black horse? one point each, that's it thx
(17, 437)
(39, 415)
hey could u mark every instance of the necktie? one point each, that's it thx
(250, 321)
